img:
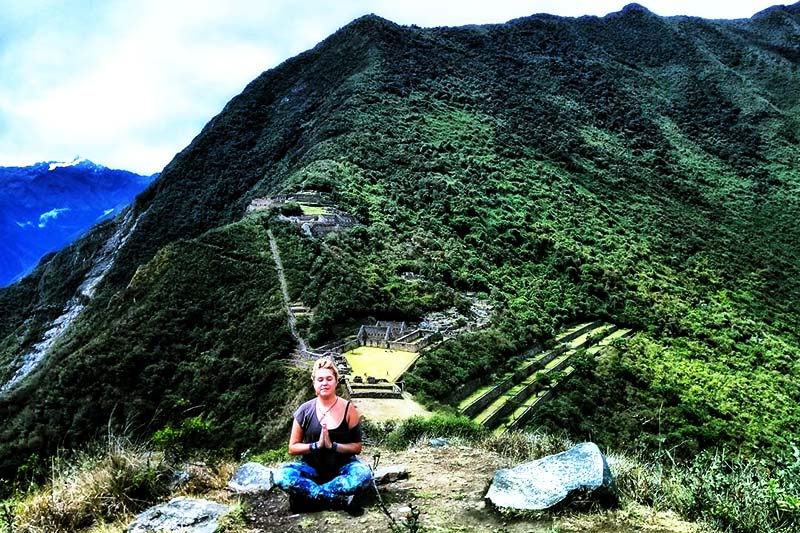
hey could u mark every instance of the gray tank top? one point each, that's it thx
(326, 462)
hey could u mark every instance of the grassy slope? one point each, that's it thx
(565, 168)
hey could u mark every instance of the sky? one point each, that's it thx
(129, 83)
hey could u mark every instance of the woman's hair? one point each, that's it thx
(325, 362)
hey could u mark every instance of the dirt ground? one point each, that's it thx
(446, 486)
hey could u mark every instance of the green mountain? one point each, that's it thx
(633, 168)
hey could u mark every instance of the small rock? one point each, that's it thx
(181, 477)
(390, 474)
(438, 442)
(189, 515)
(251, 477)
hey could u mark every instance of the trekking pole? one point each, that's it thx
(376, 459)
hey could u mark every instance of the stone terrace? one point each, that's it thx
(319, 217)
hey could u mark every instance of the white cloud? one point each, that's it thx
(129, 83)
(44, 218)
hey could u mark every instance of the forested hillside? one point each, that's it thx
(632, 168)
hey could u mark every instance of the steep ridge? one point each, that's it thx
(99, 265)
(561, 168)
(209, 183)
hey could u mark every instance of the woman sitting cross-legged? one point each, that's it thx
(326, 434)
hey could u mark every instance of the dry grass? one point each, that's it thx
(102, 490)
(642, 481)
(94, 489)
(207, 480)
(519, 446)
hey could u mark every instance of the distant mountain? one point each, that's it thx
(45, 206)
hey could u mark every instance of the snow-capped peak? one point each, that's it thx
(72, 163)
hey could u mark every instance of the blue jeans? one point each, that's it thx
(300, 479)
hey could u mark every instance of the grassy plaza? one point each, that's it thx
(379, 362)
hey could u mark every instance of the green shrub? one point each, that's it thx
(233, 521)
(418, 427)
(739, 495)
(376, 433)
(193, 436)
(727, 493)
(291, 209)
(276, 455)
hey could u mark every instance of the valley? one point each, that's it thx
(587, 226)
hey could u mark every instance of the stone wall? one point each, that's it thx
(483, 401)
(522, 395)
(579, 332)
(394, 336)
(396, 329)
(261, 203)
(544, 396)
(386, 394)
(374, 343)
(313, 225)
(413, 342)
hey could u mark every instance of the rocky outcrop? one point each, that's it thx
(101, 263)
(543, 483)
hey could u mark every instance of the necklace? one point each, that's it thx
(328, 411)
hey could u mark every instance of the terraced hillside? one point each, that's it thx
(510, 403)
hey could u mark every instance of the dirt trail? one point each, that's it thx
(301, 343)
(447, 485)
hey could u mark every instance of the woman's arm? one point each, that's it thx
(296, 444)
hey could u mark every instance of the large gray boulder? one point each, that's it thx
(543, 483)
(251, 477)
(188, 515)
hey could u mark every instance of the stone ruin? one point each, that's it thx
(331, 219)
(383, 334)
(451, 323)
(394, 336)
